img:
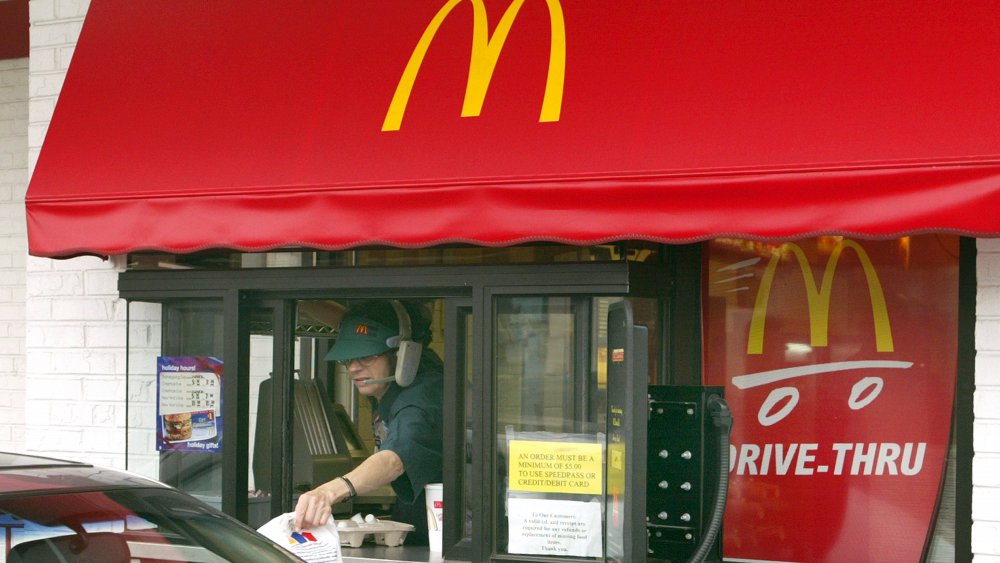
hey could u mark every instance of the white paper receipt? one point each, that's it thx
(318, 545)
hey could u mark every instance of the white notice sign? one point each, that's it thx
(554, 527)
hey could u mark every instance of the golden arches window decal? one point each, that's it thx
(819, 299)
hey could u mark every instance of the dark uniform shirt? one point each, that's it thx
(412, 417)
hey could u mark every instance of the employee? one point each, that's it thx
(409, 448)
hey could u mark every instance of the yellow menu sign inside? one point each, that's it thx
(555, 467)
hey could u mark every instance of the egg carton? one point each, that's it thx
(357, 529)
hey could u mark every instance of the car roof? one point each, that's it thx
(27, 473)
(11, 460)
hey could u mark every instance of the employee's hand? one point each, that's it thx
(313, 508)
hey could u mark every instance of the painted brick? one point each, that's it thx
(38, 310)
(103, 389)
(12, 244)
(986, 436)
(988, 333)
(986, 470)
(66, 9)
(37, 265)
(54, 336)
(105, 282)
(112, 415)
(986, 403)
(41, 11)
(43, 60)
(142, 390)
(79, 264)
(15, 398)
(986, 503)
(38, 415)
(36, 133)
(64, 56)
(54, 388)
(74, 414)
(33, 152)
(141, 416)
(11, 346)
(79, 362)
(55, 284)
(988, 368)
(40, 109)
(10, 417)
(104, 440)
(105, 336)
(988, 300)
(69, 442)
(93, 309)
(13, 92)
(143, 335)
(56, 34)
(139, 311)
(8, 277)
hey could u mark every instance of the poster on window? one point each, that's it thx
(555, 482)
(838, 358)
(189, 404)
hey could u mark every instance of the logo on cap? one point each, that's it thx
(361, 329)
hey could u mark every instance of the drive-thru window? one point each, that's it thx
(525, 354)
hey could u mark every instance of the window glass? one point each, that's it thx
(838, 358)
(550, 442)
(634, 251)
(144, 346)
(174, 395)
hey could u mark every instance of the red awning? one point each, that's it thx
(188, 125)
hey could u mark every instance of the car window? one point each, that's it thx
(128, 525)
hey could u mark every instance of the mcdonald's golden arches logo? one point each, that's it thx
(485, 53)
(361, 329)
(819, 299)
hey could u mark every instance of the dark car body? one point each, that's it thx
(57, 510)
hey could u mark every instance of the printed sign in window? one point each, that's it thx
(189, 404)
(556, 467)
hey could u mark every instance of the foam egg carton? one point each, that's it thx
(357, 529)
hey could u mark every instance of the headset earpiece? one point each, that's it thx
(408, 352)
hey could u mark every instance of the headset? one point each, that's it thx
(407, 351)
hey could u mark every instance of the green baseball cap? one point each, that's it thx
(360, 337)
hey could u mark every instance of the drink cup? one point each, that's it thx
(434, 494)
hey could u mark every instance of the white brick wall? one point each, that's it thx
(75, 322)
(986, 406)
(13, 182)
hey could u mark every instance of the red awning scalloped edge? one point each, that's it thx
(877, 203)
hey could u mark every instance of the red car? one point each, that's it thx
(63, 511)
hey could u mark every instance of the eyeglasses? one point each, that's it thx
(365, 361)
